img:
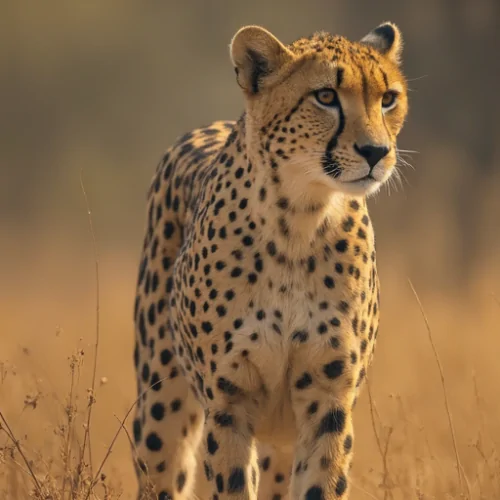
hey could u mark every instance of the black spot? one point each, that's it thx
(362, 374)
(348, 443)
(181, 481)
(227, 386)
(220, 265)
(165, 357)
(329, 283)
(223, 419)
(212, 444)
(168, 230)
(335, 342)
(200, 355)
(221, 311)
(137, 429)
(236, 481)
(259, 265)
(304, 381)
(335, 322)
(313, 408)
(153, 442)
(322, 328)
(219, 481)
(271, 248)
(334, 369)
(341, 485)
(158, 411)
(279, 478)
(355, 322)
(155, 382)
(341, 246)
(354, 205)
(142, 328)
(161, 467)
(145, 372)
(283, 226)
(209, 473)
(332, 422)
(300, 336)
(175, 405)
(206, 327)
(266, 463)
(364, 345)
(343, 306)
(164, 496)
(236, 272)
(348, 224)
(282, 203)
(315, 493)
(311, 264)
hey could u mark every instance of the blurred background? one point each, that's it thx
(101, 88)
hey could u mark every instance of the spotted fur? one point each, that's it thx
(257, 301)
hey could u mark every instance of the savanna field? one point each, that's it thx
(100, 91)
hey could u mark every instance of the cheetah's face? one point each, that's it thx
(326, 108)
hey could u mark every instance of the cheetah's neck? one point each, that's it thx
(297, 217)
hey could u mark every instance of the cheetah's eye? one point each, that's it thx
(389, 98)
(326, 97)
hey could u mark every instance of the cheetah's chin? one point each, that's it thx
(364, 186)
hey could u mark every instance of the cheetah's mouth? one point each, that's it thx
(368, 177)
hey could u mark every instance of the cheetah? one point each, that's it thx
(257, 303)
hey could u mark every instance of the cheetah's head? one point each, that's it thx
(326, 109)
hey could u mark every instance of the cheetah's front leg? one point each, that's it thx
(230, 448)
(322, 402)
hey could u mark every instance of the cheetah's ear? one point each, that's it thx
(387, 40)
(257, 55)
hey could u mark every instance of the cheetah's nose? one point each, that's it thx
(372, 154)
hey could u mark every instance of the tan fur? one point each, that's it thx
(257, 303)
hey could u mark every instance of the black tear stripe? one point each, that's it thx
(260, 68)
(328, 160)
